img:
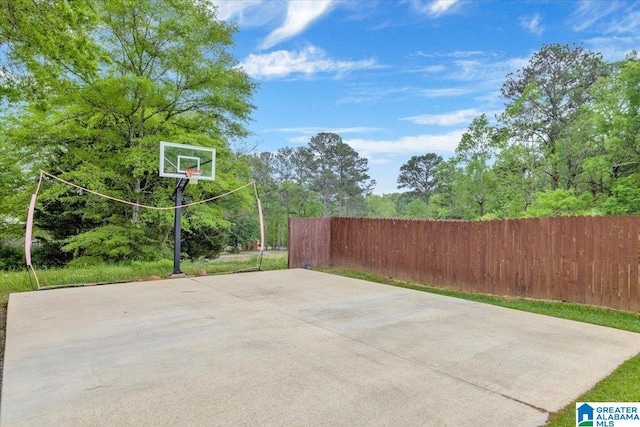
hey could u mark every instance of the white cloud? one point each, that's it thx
(628, 24)
(316, 130)
(305, 133)
(485, 71)
(613, 48)
(303, 139)
(430, 69)
(449, 119)
(309, 61)
(300, 14)
(532, 24)
(409, 144)
(228, 10)
(378, 161)
(589, 13)
(372, 93)
(444, 92)
(456, 54)
(434, 7)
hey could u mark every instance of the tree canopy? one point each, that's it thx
(93, 98)
(567, 143)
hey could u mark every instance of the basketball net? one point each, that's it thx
(193, 175)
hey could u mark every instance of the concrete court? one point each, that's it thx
(293, 347)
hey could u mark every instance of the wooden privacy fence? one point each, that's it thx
(590, 260)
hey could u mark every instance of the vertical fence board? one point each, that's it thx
(312, 242)
(611, 298)
(634, 291)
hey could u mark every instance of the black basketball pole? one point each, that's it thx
(177, 226)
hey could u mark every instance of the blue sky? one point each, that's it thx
(397, 79)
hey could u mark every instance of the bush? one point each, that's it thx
(49, 255)
(11, 258)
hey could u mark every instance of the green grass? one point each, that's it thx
(623, 385)
(23, 281)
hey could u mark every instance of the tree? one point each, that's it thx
(544, 98)
(444, 201)
(625, 197)
(418, 174)
(477, 147)
(616, 114)
(559, 202)
(278, 175)
(14, 191)
(380, 206)
(151, 71)
(335, 171)
(45, 42)
(416, 209)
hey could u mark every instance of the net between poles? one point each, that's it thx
(192, 175)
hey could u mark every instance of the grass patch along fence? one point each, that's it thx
(623, 385)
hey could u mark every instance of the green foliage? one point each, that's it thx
(335, 171)
(45, 40)
(567, 143)
(419, 175)
(326, 177)
(120, 77)
(547, 95)
(438, 207)
(204, 242)
(625, 196)
(416, 209)
(14, 191)
(559, 202)
(48, 254)
(380, 206)
(114, 243)
(11, 258)
(476, 185)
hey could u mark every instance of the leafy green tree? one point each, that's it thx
(44, 42)
(559, 202)
(335, 171)
(625, 197)
(544, 98)
(416, 209)
(517, 173)
(438, 207)
(151, 71)
(380, 206)
(14, 191)
(446, 194)
(616, 114)
(278, 176)
(418, 175)
(475, 151)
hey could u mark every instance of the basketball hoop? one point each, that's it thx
(193, 175)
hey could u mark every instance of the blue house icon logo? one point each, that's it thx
(584, 415)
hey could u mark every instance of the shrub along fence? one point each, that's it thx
(589, 260)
